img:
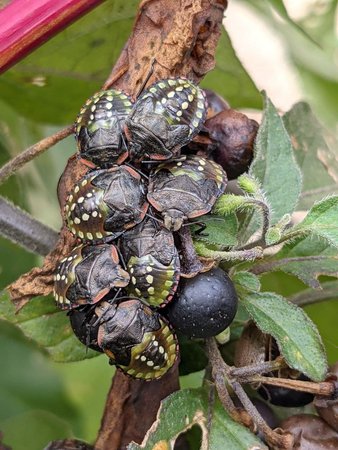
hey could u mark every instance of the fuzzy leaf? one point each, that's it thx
(321, 221)
(296, 335)
(48, 326)
(274, 164)
(307, 259)
(246, 281)
(311, 142)
(184, 409)
(219, 231)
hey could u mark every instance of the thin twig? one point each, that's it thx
(221, 372)
(22, 229)
(257, 369)
(309, 296)
(269, 266)
(31, 152)
(325, 388)
(239, 255)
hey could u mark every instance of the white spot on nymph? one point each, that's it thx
(161, 349)
(99, 235)
(202, 162)
(190, 97)
(185, 105)
(109, 114)
(91, 117)
(109, 98)
(153, 90)
(77, 220)
(155, 343)
(80, 200)
(85, 217)
(93, 108)
(171, 82)
(150, 363)
(73, 207)
(94, 213)
(151, 290)
(70, 198)
(200, 105)
(200, 168)
(138, 292)
(90, 236)
(164, 101)
(81, 235)
(63, 277)
(179, 88)
(149, 269)
(76, 189)
(199, 114)
(89, 194)
(195, 123)
(171, 94)
(109, 105)
(150, 279)
(133, 280)
(179, 163)
(143, 358)
(179, 113)
(58, 277)
(137, 357)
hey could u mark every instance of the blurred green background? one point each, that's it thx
(41, 400)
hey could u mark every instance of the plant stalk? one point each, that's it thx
(25, 26)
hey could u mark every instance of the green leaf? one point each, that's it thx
(83, 56)
(49, 327)
(321, 221)
(184, 409)
(229, 78)
(313, 153)
(218, 231)
(274, 164)
(296, 335)
(246, 281)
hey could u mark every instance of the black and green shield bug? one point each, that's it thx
(165, 118)
(185, 188)
(152, 261)
(105, 203)
(136, 339)
(87, 275)
(99, 128)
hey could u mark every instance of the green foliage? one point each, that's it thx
(296, 335)
(184, 409)
(274, 164)
(315, 151)
(48, 326)
(38, 399)
(321, 221)
(219, 231)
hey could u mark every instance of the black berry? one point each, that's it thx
(205, 305)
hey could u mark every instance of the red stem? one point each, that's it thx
(26, 24)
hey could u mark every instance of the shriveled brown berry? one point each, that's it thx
(327, 407)
(310, 432)
(233, 135)
(215, 102)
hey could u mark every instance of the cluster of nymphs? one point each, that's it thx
(140, 189)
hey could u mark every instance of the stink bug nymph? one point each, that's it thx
(87, 275)
(99, 128)
(105, 203)
(152, 261)
(136, 339)
(185, 188)
(165, 118)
